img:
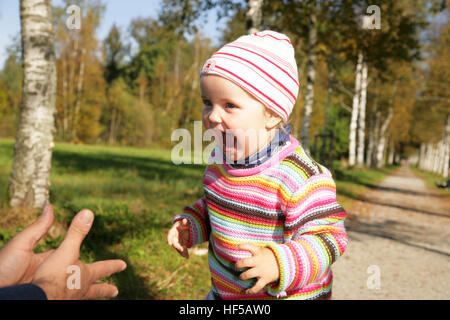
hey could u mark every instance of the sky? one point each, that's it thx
(120, 12)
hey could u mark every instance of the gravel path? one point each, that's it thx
(399, 243)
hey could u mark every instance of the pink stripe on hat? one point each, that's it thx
(271, 76)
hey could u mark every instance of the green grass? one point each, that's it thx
(354, 183)
(430, 179)
(134, 194)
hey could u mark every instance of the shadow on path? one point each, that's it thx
(391, 203)
(388, 229)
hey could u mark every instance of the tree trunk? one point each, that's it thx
(362, 116)
(446, 156)
(381, 147)
(71, 84)
(429, 157)
(112, 126)
(64, 92)
(373, 127)
(310, 80)
(355, 110)
(78, 95)
(391, 152)
(254, 16)
(30, 175)
(421, 160)
(436, 157)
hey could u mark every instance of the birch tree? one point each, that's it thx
(362, 115)
(355, 111)
(30, 176)
(254, 15)
(381, 146)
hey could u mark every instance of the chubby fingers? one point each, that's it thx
(175, 237)
(254, 250)
(258, 287)
(174, 232)
(172, 235)
(245, 263)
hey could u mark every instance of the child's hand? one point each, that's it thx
(262, 265)
(178, 237)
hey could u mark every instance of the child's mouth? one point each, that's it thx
(229, 142)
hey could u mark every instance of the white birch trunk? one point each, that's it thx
(254, 16)
(355, 110)
(376, 137)
(429, 157)
(391, 153)
(310, 80)
(362, 116)
(382, 140)
(64, 91)
(30, 175)
(445, 169)
(71, 84)
(421, 156)
(373, 126)
(435, 158)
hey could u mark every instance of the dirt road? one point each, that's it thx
(399, 245)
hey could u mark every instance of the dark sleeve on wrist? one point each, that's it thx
(26, 291)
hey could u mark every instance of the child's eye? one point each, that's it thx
(207, 103)
(230, 106)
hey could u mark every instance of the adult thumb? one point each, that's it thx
(78, 229)
(32, 234)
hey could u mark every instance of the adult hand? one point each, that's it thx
(52, 275)
(178, 237)
(18, 262)
(262, 265)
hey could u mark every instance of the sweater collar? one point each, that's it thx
(259, 157)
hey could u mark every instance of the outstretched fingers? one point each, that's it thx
(101, 290)
(103, 269)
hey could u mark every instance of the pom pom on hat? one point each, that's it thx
(263, 64)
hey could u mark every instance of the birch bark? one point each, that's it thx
(355, 111)
(254, 16)
(446, 160)
(362, 116)
(381, 147)
(30, 175)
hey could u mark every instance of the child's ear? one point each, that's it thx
(272, 119)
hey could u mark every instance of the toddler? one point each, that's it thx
(269, 211)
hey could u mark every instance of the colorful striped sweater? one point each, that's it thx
(287, 204)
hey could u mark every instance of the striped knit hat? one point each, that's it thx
(263, 64)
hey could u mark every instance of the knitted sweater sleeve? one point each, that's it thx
(314, 235)
(197, 216)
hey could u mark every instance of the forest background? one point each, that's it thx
(140, 83)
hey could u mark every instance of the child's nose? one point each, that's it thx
(214, 116)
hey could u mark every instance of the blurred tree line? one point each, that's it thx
(378, 94)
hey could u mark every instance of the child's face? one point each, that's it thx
(240, 119)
